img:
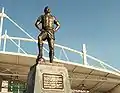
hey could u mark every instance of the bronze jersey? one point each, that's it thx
(47, 22)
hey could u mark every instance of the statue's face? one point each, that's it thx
(47, 10)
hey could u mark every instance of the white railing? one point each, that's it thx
(63, 49)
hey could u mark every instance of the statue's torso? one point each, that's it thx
(47, 22)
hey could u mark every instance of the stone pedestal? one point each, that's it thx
(51, 78)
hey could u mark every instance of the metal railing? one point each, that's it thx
(63, 51)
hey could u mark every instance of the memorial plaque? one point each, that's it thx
(52, 81)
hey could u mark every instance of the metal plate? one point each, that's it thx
(52, 81)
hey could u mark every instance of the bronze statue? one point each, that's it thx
(47, 31)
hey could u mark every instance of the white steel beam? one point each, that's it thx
(4, 45)
(1, 24)
(84, 55)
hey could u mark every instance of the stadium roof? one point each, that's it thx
(94, 79)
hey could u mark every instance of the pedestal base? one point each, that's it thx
(51, 78)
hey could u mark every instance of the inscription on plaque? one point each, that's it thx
(52, 81)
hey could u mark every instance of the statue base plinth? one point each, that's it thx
(51, 78)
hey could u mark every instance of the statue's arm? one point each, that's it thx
(38, 21)
(56, 22)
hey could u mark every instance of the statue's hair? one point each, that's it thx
(46, 9)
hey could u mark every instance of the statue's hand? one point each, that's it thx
(54, 30)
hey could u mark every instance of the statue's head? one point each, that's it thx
(47, 10)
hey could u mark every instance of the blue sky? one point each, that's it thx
(92, 22)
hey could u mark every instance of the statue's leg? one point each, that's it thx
(51, 49)
(41, 38)
(40, 46)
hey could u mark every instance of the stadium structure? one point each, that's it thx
(87, 74)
